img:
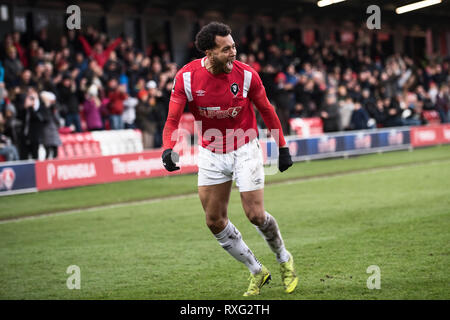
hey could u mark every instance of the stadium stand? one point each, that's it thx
(300, 68)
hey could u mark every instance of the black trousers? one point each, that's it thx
(28, 148)
(51, 150)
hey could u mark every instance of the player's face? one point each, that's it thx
(223, 55)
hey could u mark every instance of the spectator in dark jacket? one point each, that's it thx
(112, 68)
(150, 115)
(283, 100)
(330, 114)
(268, 78)
(24, 82)
(13, 67)
(359, 118)
(305, 93)
(32, 119)
(69, 98)
(393, 112)
(376, 112)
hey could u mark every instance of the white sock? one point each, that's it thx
(231, 240)
(271, 233)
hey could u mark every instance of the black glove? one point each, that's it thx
(169, 158)
(284, 159)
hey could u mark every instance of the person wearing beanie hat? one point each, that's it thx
(50, 134)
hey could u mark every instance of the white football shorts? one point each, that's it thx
(245, 165)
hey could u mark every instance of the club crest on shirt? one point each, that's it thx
(234, 89)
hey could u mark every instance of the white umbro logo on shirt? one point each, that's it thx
(200, 93)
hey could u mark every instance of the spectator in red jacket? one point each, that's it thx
(100, 55)
(116, 95)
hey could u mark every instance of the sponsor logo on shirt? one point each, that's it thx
(216, 112)
(200, 93)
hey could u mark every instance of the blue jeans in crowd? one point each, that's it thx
(73, 118)
(115, 122)
(10, 153)
(411, 122)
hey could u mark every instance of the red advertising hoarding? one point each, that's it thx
(305, 127)
(445, 133)
(65, 173)
(430, 135)
(57, 174)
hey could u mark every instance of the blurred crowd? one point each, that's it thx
(350, 86)
(91, 82)
(87, 82)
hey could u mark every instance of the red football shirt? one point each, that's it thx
(221, 105)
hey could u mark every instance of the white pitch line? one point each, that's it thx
(97, 208)
(192, 195)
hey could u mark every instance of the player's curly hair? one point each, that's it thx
(205, 38)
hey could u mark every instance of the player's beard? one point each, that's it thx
(222, 66)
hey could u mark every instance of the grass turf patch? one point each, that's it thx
(397, 219)
(127, 191)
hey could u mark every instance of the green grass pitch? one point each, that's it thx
(391, 210)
